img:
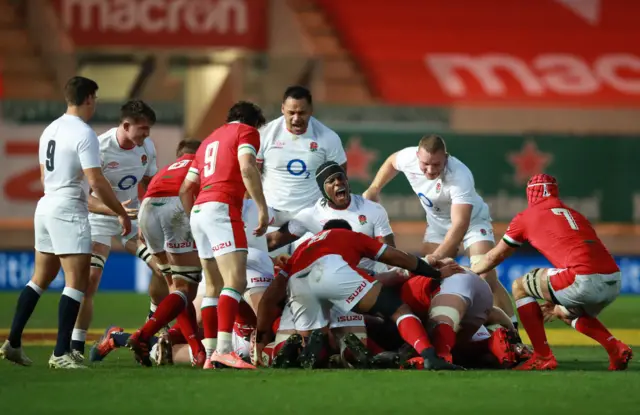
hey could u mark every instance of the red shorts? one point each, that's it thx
(417, 293)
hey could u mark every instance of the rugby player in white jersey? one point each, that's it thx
(128, 159)
(455, 212)
(292, 147)
(69, 163)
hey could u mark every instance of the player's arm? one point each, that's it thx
(280, 238)
(385, 174)
(381, 226)
(42, 175)
(189, 188)
(460, 220)
(144, 182)
(493, 258)
(106, 200)
(268, 309)
(97, 206)
(251, 177)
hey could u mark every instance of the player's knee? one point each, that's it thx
(516, 289)
(445, 314)
(143, 253)
(97, 262)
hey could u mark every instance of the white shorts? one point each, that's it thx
(481, 334)
(479, 230)
(259, 272)
(165, 226)
(217, 229)
(104, 228)
(588, 294)
(307, 321)
(54, 235)
(280, 218)
(475, 291)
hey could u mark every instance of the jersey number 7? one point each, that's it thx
(567, 215)
(210, 154)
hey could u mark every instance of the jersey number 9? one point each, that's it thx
(51, 152)
(210, 154)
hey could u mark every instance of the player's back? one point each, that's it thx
(167, 182)
(351, 246)
(62, 144)
(217, 163)
(566, 238)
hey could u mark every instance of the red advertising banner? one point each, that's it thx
(166, 23)
(554, 52)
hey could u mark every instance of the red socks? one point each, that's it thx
(228, 305)
(167, 311)
(412, 331)
(189, 328)
(532, 321)
(444, 338)
(592, 327)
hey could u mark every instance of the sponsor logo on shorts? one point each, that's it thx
(362, 219)
(144, 159)
(113, 165)
(313, 146)
(357, 292)
(355, 317)
(261, 279)
(222, 246)
(185, 244)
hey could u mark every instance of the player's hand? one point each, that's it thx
(548, 311)
(451, 269)
(281, 260)
(263, 223)
(372, 194)
(256, 350)
(125, 221)
(132, 212)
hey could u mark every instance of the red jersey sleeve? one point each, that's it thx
(369, 247)
(515, 234)
(249, 141)
(194, 167)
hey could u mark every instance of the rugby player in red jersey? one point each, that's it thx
(584, 281)
(167, 234)
(223, 169)
(324, 269)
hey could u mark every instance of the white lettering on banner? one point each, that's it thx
(16, 270)
(564, 74)
(155, 16)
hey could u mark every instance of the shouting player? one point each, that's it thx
(223, 169)
(455, 212)
(128, 158)
(323, 270)
(167, 235)
(584, 281)
(69, 152)
(292, 147)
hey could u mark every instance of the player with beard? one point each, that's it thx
(292, 147)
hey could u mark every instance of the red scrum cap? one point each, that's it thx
(541, 186)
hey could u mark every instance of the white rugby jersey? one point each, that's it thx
(364, 216)
(124, 168)
(67, 147)
(250, 219)
(454, 186)
(289, 162)
(259, 261)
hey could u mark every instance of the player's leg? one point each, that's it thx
(526, 290)
(100, 249)
(350, 334)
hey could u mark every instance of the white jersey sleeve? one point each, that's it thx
(89, 151)
(462, 188)
(406, 159)
(152, 160)
(297, 226)
(381, 225)
(335, 152)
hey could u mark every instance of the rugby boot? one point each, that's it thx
(386, 360)
(619, 360)
(314, 354)
(522, 351)
(14, 354)
(431, 361)
(164, 351)
(140, 348)
(502, 349)
(230, 359)
(539, 362)
(287, 356)
(78, 356)
(359, 352)
(104, 345)
(199, 359)
(66, 361)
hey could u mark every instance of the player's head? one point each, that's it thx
(337, 224)
(432, 156)
(297, 108)
(187, 146)
(540, 187)
(333, 183)
(136, 120)
(81, 92)
(246, 113)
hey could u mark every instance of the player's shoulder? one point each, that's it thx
(272, 126)
(457, 168)
(369, 205)
(406, 157)
(149, 146)
(322, 131)
(108, 135)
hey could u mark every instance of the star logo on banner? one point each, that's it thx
(528, 162)
(359, 159)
